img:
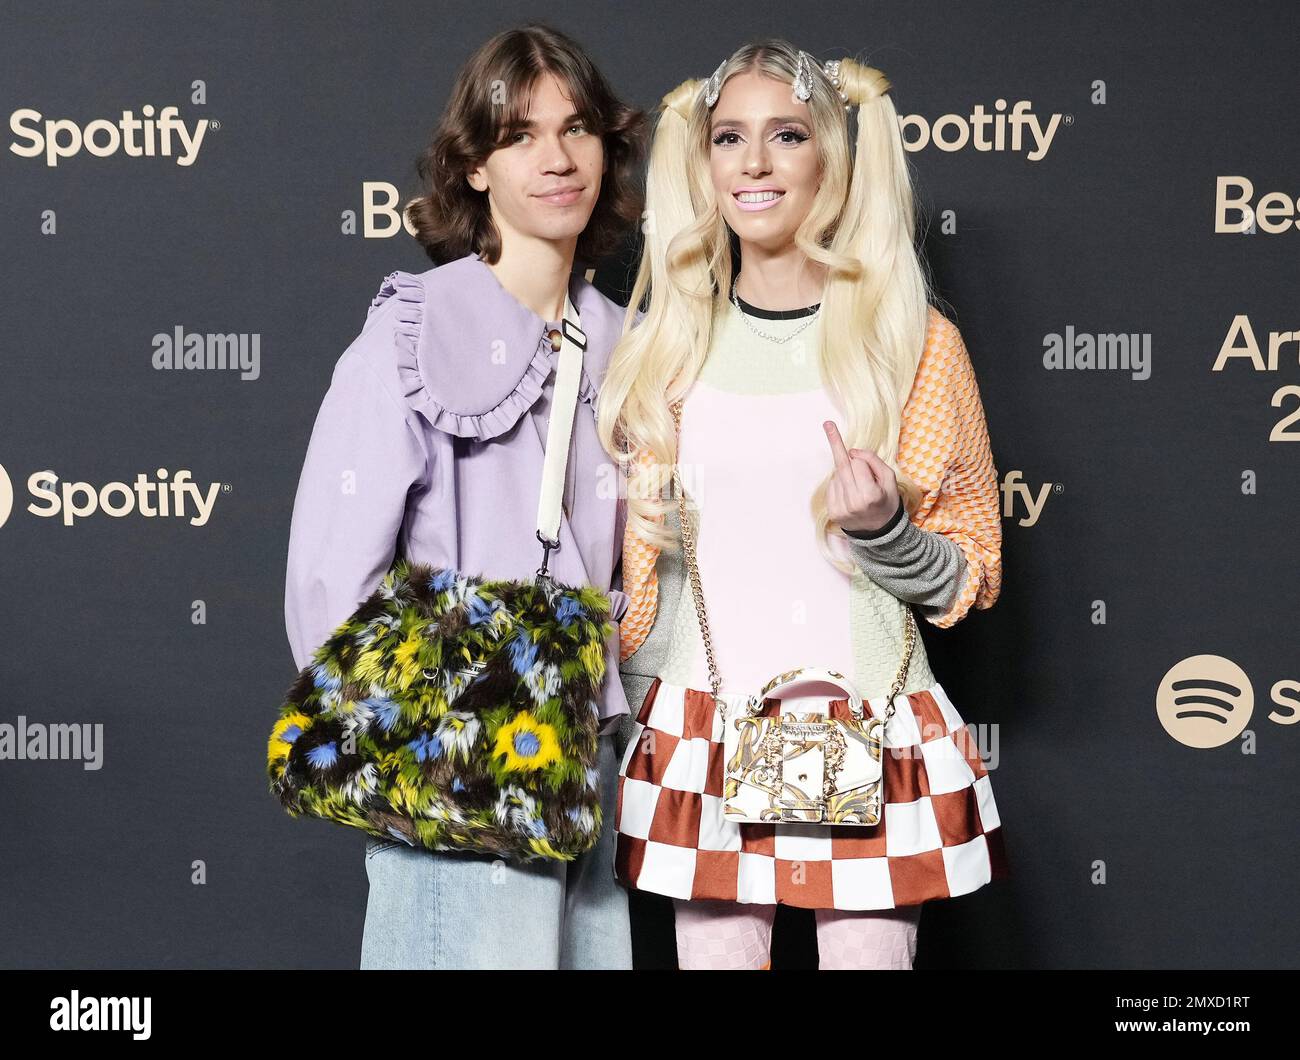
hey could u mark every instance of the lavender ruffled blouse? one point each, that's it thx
(430, 441)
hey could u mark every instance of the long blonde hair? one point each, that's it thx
(875, 306)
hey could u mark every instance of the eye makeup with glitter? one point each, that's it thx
(719, 138)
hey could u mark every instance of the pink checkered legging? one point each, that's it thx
(713, 934)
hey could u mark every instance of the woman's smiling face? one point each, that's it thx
(762, 158)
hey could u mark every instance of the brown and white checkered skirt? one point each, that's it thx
(939, 835)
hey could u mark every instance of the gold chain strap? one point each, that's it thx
(688, 547)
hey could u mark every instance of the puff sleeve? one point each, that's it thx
(944, 448)
(363, 457)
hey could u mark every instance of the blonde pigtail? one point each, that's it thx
(674, 275)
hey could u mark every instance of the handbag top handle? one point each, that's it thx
(564, 401)
(812, 673)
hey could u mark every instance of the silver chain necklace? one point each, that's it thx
(812, 319)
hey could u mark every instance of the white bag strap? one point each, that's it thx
(564, 400)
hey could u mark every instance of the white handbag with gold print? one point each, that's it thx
(807, 767)
(804, 767)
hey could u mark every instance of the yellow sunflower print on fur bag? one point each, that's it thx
(453, 713)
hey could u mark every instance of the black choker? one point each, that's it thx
(777, 314)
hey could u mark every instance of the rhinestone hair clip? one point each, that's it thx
(803, 78)
(714, 86)
(802, 84)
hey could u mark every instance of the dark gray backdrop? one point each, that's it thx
(1112, 231)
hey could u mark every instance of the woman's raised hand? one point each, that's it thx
(862, 494)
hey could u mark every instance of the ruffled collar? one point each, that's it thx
(472, 358)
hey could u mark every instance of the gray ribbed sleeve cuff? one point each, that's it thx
(917, 566)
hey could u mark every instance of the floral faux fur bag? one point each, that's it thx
(453, 713)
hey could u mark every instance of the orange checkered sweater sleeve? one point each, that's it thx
(943, 446)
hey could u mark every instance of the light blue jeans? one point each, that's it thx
(430, 909)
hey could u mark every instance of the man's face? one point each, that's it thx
(544, 182)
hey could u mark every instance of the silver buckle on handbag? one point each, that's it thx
(796, 812)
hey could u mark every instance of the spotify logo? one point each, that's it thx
(168, 495)
(1205, 701)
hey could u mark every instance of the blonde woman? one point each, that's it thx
(835, 454)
